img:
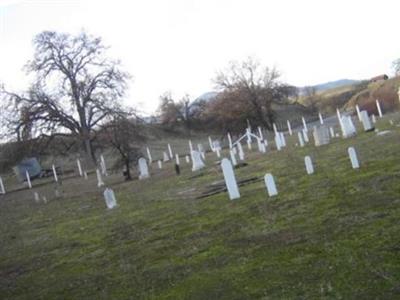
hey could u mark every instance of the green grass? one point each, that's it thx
(330, 235)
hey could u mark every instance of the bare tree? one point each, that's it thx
(75, 88)
(311, 98)
(257, 86)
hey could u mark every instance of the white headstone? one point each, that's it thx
(165, 156)
(143, 168)
(275, 129)
(99, 178)
(304, 124)
(260, 134)
(110, 199)
(230, 140)
(149, 155)
(373, 119)
(241, 152)
(200, 148)
(103, 165)
(358, 113)
(340, 119)
(321, 135)
(159, 163)
(2, 189)
(218, 151)
(305, 136)
(289, 127)
(177, 161)
(28, 179)
(187, 159)
(283, 140)
(78, 162)
(353, 157)
(378, 106)
(367, 124)
(321, 120)
(54, 173)
(197, 162)
(278, 141)
(233, 158)
(85, 175)
(190, 146)
(211, 144)
(348, 127)
(300, 136)
(230, 180)
(171, 155)
(309, 165)
(270, 185)
(265, 142)
(332, 132)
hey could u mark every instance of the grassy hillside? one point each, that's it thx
(331, 235)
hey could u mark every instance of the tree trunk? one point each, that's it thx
(128, 171)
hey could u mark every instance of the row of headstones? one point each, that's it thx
(232, 186)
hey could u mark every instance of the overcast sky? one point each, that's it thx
(178, 45)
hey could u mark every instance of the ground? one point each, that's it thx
(330, 235)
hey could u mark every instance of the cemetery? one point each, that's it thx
(297, 220)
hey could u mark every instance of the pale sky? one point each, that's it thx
(178, 45)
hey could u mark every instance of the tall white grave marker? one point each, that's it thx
(233, 157)
(283, 140)
(241, 152)
(289, 127)
(100, 181)
(278, 141)
(187, 159)
(367, 124)
(373, 119)
(332, 132)
(2, 189)
(177, 161)
(149, 155)
(378, 106)
(211, 144)
(55, 173)
(353, 157)
(321, 120)
(309, 165)
(230, 140)
(358, 112)
(305, 135)
(103, 165)
(304, 124)
(260, 133)
(78, 162)
(159, 163)
(300, 136)
(230, 179)
(143, 168)
(197, 162)
(110, 199)
(85, 176)
(28, 179)
(165, 156)
(170, 151)
(270, 185)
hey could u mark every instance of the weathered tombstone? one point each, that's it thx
(278, 141)
(309, 165)
(110, 199)
(143, 168)
(241, 152)
(210, 142)
(177, 161)
(190, 146)
(2, 189)
(289, 127)
(265, 142)
(230, 180)
(230, 140)
(159, 162)
(200, 148)
(85, 175)
(187, 159)
(321, 136)
(78, 162)
(353, 157)
(54, 173)
(270, 185)
(305, 136)
(348, 128)
(358, 113)
(165, 156)
(218, 151)
(28, 179)
(260, 133)
(170, 151)
(378, 106)
(304, 124)
(103, 165)
(283, 140)
(36, 197)
(321, 120)
(367, 124)
(300, 137)
(332, 132)
(99, 178)
(197, 162)
(233, 157)
(149, 155)
(373, 119)
(262, 146)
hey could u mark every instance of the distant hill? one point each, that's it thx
(206, 97)
(331, 85)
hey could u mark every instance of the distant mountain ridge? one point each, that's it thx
(331, 84)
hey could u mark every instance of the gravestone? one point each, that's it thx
(28, 179)
(110, 199)
(373, 119)
(289, 127)
(278, 141)
(260, 133)
(210, 142)
(321, 136)
(353, 158)
(36, 197)
(305, 136)
(78, 162)
(103, 165)
(229, 140)
(378, 106)
(366, 122)
(85, 175)
(233, 157)
(283, 140)
(2, 189)
(300, 137)
(177, 161)
(265, 142)
(54, 173)
(170, 151)
(217, 145)
(321, 120)
(159, 164)
(149, 155)
(187, 159)
(99, 178)
(358, 113)
(332, 132)
(261, 146)
(304, 124)
(241, 152)
(348, 128)
(165, 156)
(143, 168)
(197, 162)
(218, 151)
(270, 185)
(309, 165)
(230, 180)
